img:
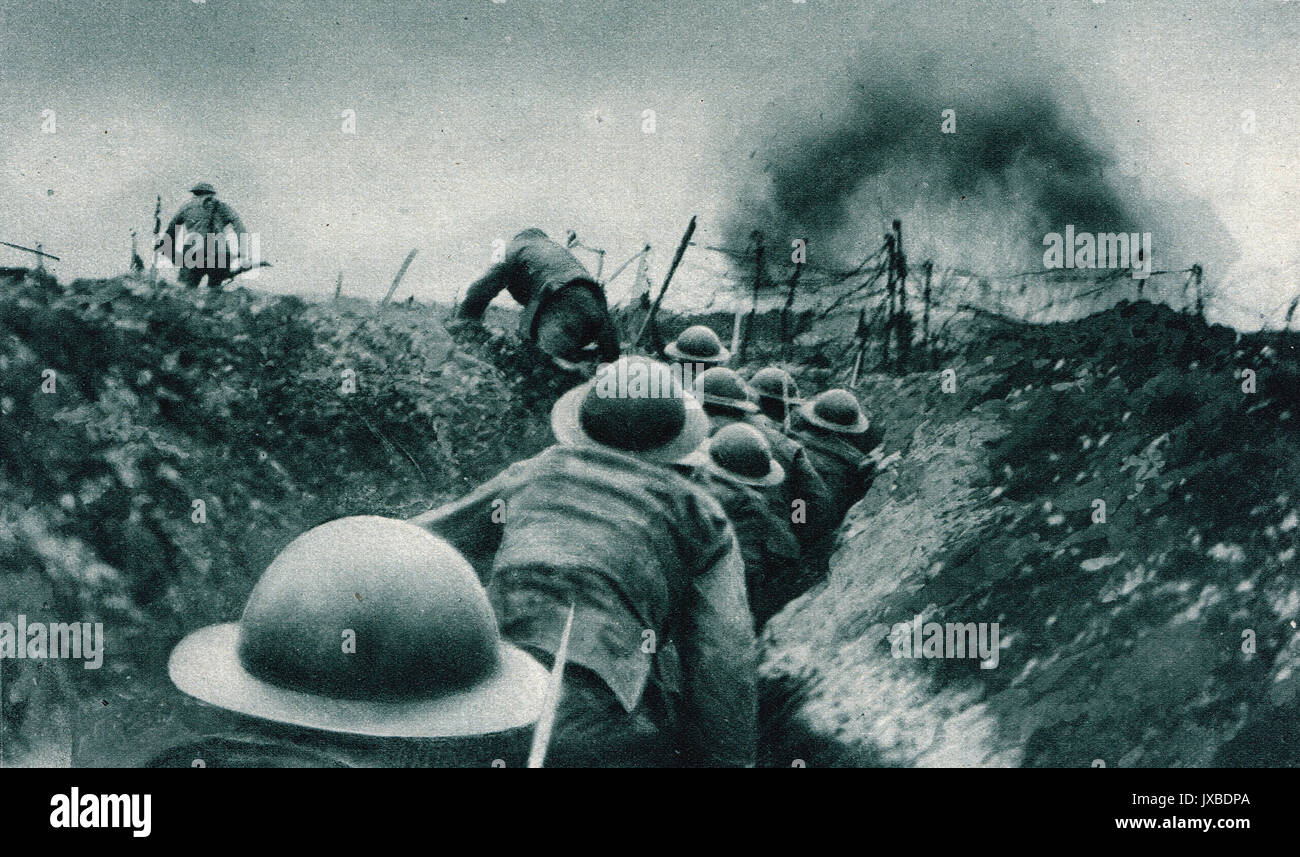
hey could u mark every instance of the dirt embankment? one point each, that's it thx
(1120, 496)
(158, 446)
(1161, 635)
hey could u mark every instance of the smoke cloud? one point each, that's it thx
(1024, 155)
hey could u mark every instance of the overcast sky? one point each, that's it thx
(476, 118)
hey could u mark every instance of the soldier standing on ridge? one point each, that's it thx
(564, 307)
(197, 235)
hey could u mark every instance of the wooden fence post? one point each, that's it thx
(758, 283)
(401, 272)
(787, 335)
(902, 321)
(648, 324)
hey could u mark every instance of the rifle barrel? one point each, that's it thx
(32, 250)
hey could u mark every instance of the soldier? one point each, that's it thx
(839, 439)
(777, 393)
(802, 503)
(740, 472)
(197, 235)
(697, 344)
(662, 663)
(368, 642)
(564, 307)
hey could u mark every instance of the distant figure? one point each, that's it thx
(803, 504)
(662, 662)
(740, 472)
(368, 642)
(697, 344)
(565, 313)
(197, 235)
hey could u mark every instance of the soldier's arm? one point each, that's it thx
(232, 220)
(607, 340)
(720, 666)
(473, 524)
(482, 291)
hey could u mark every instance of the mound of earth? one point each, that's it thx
(1117, 494)
(158, 446)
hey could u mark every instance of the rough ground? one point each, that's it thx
(1122, 641)
(163, 397)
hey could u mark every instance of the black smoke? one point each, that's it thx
(1017, 157)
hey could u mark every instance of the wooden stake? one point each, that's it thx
(735, 328)
(398, 279)
(889, 300)
(787, 335)
(758, 283)
(672, 269)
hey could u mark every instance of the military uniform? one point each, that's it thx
(564, 308)
(203, 217)
(773, 570)
(661, 658)
(802, 481)
(841, 460)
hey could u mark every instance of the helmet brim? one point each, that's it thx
(701, 458)
(206, 665)
(806, 411)
(743, 405)
(673, 352)
(566, 425)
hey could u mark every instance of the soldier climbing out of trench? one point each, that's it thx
(565, 314)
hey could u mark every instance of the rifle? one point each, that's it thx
(244, 269)
(554, 689)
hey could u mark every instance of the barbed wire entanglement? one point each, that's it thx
(881, 314)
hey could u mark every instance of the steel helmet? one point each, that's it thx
(723, 388)
(698, 344)
(837, 411)
(634, 405)
(740, 452)
(371, 626)
(773, 382)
